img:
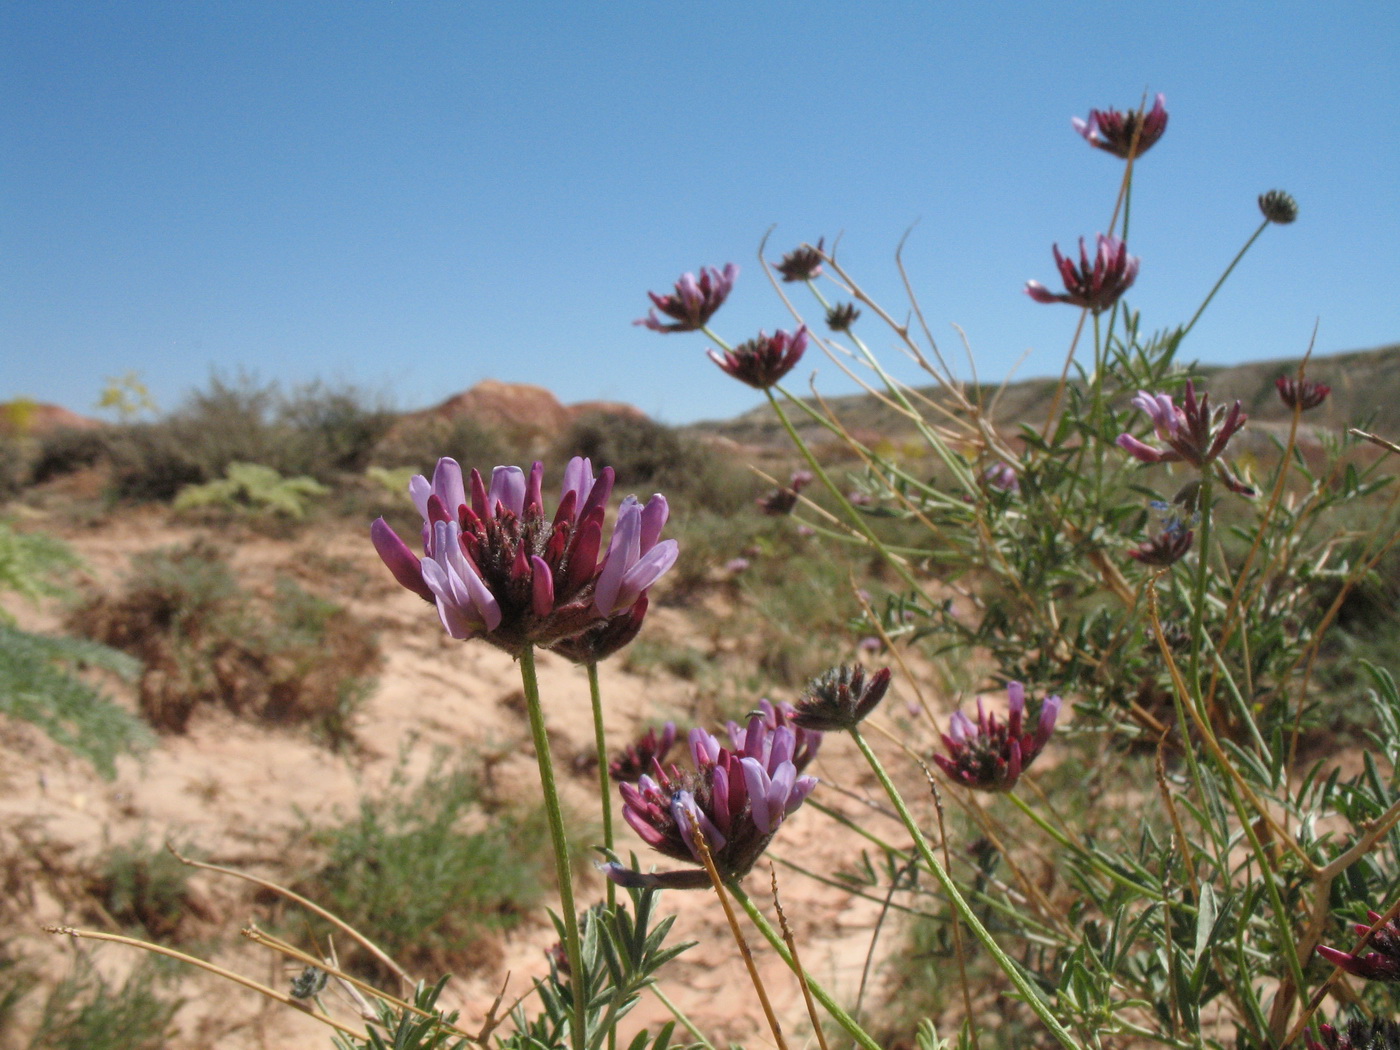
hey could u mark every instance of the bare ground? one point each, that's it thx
(242, 794)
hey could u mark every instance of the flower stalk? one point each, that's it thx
(558, 841)
(1008, 966)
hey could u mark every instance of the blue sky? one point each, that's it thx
(414, 196)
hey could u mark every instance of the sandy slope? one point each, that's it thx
(240, 793)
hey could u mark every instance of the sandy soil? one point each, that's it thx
(240, 793)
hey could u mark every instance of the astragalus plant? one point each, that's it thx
(1143, 843)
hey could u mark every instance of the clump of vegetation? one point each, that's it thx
(290, 657)
(425, 873)
(420, 443)
(145, 886)
(67, 450)
(651, 457)
(250, 488)
(44, 679)
(86, 1011)
(318, 431)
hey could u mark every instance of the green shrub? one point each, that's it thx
(40, 684)
(424, 874)
(145, 886)
(28, 563)
(69, 449)
(251, 488)
(420, 443)
(40, 676)
(85, 1011)
(16, 460)
(330, 431)
(228, 423)
(652, 457)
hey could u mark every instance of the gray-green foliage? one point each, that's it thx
(417, 871)
(42, 677)
(40, 683)
(86, 1011)
(29, 562)
(252, 488)
(621, 951)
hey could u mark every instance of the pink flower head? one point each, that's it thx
(498, 568)
(783, 501)
(772, 717)
(1191, 432)
(1376, 1034)
(1001, 476)
(694, 301)
(1094, 285)
(1382, 962)
(1121, 133)
(737, 798)
(802, 263)
(643, 755)
(990, 754)
(763, 360)
(1302, 396)
(1165, 549)
(841, 698)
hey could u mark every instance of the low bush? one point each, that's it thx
(67, 450)
(331, 430)
(652, 457)
(44, 680)
(426, 874)
(252, 489)
(145, 886)
(287, 657)
(420, 443)
(86, 1011)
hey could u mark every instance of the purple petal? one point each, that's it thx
(623, 552)
(704, 748)
(447, 485)
(1049, 712)
(782, 749)
(507, 489)
(756, 779)
(1140, 450)
(542, 586)
(402, 562)
(801, 788)
(419, 489)
(644, 573)
(1015, 698)
(654, 516)
(650, 835)
(534, 499)
(720, 800)
(578, 479)
(685, 811)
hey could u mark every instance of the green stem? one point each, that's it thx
(680, 1016)
(1228, 270)
(1198, 597)
(1085, 855)
(855, 826)
(852, 515)
(775, 939)
(600, 742)
(722, 344)
(558, 840)
(955, 897)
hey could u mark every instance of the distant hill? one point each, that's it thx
(22, 417)
(1365, 386)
